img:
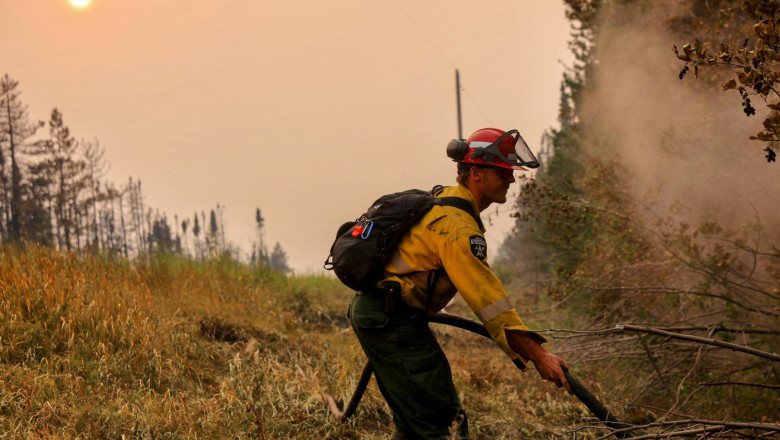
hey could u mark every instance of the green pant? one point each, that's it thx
(411, 369)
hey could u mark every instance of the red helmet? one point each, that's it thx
(493, 147)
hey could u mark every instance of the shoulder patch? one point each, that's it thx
(478, 246)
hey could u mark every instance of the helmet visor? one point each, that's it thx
(510, 149)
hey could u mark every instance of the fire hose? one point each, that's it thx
(619, 429)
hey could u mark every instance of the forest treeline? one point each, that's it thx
(637, 237)
(53, 193)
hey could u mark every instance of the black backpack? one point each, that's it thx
(362, 247)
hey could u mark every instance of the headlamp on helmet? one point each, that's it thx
(493, 147)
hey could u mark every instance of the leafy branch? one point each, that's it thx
(755, 65)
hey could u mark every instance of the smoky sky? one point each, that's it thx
(307, 110)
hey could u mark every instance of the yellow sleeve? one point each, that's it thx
(464, 256)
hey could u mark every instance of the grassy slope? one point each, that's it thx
(94, 348)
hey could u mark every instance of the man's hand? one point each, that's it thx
(549, 366)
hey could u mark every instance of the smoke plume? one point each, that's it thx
(684, 142)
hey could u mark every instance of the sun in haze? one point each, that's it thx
(79, 3)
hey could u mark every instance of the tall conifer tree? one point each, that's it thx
(16, 129)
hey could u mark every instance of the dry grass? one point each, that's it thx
(93, 348)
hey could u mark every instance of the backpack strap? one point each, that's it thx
(461, 204)
(457, 202)
(433, 278)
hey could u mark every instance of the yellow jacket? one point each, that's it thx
(448, 237)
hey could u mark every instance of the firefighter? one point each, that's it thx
(446, 253)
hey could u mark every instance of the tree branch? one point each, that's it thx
(747, 384)
(710, 426)
(723, 329)
(664, 289)
(653, 362)
(719, 328)
(708, 341)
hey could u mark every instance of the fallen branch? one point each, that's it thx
(708, 341)
(687, 433)
(710, 426)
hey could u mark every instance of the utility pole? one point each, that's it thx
(457, 94)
